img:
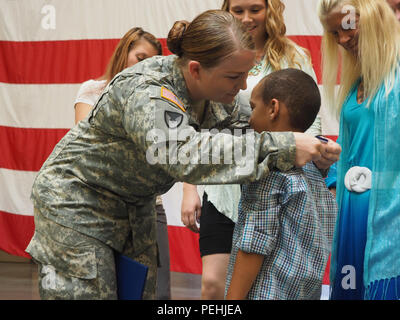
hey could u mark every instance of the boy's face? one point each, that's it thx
(273, 116)
(259, 119)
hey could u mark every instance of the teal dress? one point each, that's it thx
(348, 278)
(353, 215)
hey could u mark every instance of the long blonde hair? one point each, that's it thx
(278, 46)
(378, 51)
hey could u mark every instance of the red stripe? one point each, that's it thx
(313, 44)
(185, 253)
(184, 250)
(325, 280)
(44, 62)
(27, 149)
(75, 61)
(334, 138)
(16, 231)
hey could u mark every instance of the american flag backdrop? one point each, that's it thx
(47, 49)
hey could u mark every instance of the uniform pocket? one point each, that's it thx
(78, 262)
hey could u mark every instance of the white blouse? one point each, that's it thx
(90, 91)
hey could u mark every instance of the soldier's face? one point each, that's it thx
(223, 82)
(142, 50)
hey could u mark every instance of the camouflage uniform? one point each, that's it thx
(99, 184)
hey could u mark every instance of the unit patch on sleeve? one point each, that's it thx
(173, 119)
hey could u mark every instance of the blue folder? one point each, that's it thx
(131, 278)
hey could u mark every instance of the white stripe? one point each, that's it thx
(37, 105)
(172, 205)
(325, 292)
(28, 20)
(301, 18)
(172, 201)
(24, 20)
(16, 189)
(329, 122)
(15, 192)
(52, 106)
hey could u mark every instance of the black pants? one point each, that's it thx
(163, 272)
(216, 230)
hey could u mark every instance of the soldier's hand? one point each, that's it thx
(329, 155)
(191, 207)
(308, 148)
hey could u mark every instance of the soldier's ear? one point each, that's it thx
(194, 69)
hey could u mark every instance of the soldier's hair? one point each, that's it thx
(210, 38)
(298, 91)
(119, 59)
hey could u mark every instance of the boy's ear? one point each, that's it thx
(274, 109)
(194, 69)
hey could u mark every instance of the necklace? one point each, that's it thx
(255, 71)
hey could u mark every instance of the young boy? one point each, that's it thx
(282, 239)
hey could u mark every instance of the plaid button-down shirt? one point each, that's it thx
(288, 218)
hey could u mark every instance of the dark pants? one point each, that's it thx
(163, 272)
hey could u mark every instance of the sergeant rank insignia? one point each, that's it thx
(173, 119)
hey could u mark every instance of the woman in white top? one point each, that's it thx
(135, 46)
(274, 51)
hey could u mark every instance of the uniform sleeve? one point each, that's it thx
(162, 133)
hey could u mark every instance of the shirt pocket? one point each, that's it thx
(260, 232)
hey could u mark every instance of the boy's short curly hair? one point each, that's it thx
(298, 91)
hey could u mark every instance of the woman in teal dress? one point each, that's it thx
(365, 261)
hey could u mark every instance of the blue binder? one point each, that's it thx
(131, 278)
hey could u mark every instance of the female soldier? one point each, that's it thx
(135, 46)
(101, 180)
(218, 212)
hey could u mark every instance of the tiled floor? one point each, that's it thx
(18, 281)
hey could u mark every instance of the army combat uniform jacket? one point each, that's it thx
(102, 177)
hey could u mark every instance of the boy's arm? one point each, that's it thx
(245, 271)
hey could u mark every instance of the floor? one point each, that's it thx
(18, 281)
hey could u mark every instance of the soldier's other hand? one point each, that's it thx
(329, 155)
(191, 207)
(308, 148)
